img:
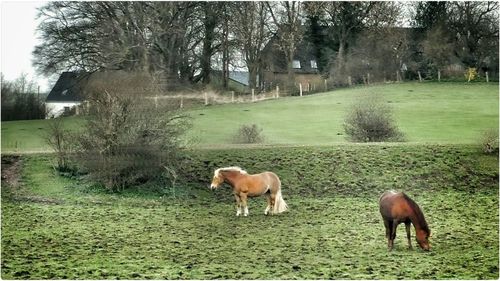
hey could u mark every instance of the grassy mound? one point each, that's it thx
(356, 170)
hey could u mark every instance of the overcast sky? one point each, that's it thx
(18, 25)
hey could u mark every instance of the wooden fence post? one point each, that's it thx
(232, 96)
(419, 76)
(487, 77)
(397, 76)
(206, 98)
(326, 86)
(349, 80)
(277, 91)
(253, 95)
(439, 75)
(300, 89)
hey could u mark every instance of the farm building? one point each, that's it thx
(305, 66)
(66, 94)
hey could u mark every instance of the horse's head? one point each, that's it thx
(217, 180)
(423, 239)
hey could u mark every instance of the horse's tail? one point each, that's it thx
(279, 204)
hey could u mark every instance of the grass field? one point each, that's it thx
(56, 227)
(60, 228)
(425, 112)
(29, 135)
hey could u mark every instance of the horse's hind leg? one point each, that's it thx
(272, 201)
(387, 229)
(407, 225)
(268, 198)
(394, 226)
(388, 233)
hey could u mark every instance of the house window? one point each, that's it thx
(296, 64)
(314, 65)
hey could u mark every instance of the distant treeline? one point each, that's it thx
(186, 40)
(21, 100)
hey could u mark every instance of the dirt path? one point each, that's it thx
(11, 171)
(12, 166)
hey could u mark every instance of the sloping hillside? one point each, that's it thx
(425, 112)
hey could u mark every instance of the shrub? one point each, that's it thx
(129, 139)
(370, 120)
(249, 134)
(489, 141)
(471, 74)
(59, 139)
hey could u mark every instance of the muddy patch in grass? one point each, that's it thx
(11, 170)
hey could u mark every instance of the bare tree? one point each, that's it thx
(175, 43)
(132, 36)
(345, 21)
(252, 33)
(92, 35)
(286, 16)
(438, 47)
(21, 100)
(475, 28)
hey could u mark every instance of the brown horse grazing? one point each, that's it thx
(245, 185)
(396, 208)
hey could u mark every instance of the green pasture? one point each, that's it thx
(425, 112)
(61, 228)
(29, 135)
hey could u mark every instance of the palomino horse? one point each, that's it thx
(245, 185)
(396, 208)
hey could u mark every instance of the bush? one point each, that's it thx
(59, 139)
(370, 120)
(129, 139)
(249, 134)
(489, 141)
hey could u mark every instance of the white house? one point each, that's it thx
(66, 93)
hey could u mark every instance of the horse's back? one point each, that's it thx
(258, 184)
(393, 205)
(271, 177)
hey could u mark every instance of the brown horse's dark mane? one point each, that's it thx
(418, 213)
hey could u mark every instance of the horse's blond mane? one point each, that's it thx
(236, 169)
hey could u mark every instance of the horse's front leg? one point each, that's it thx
(408, 224)
(388, 233)
(243, 198)
(238, 204)
(394, 226)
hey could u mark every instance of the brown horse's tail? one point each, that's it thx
(279, 204)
